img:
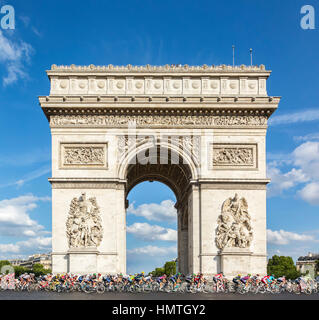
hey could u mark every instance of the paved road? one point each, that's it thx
(8, 295)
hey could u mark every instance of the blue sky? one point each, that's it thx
(158, 32)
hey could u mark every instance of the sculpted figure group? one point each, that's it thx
(234, 226)
(235, 156)
(84, 228)
(84, 155)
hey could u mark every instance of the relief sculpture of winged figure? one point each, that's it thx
(84, 227)
(234, 224)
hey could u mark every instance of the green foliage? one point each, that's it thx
(282, 266)
(18, 270)
(158, 272)
(317, 267)
(4, 263)
(37, 269)
(170, 267)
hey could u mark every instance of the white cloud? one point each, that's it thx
(310, 193)
(27, 23)
(14, 55)
(9, 248)
(15, 219)
(164, 211)
(303, 116)
(40, 243)
(149, 257)
(306, 156)
(307, 137)
(305, 159)
(283, 181)
(282, 237)
(153, 251)
(147, 232)
(30, 246)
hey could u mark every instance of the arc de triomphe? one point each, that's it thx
(201, 130)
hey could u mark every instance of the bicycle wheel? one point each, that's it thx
(155, 287)
(308, 291)
(188, 289)
(212, 288)
(147, 288)
(119, 287)
(169, 288)
(205, 288)
(296, 289)
(87, 289)
(100, 288)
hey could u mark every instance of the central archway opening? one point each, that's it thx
(158, 203)
(151, 227)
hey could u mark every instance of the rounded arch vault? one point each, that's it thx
(161, 164)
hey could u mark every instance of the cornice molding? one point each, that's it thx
(158, 69)
(161, 106)
(233, 184)
(131, 100)
(86, 183)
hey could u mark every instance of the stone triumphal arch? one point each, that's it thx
(199, 130)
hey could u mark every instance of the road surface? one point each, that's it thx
(11, 295)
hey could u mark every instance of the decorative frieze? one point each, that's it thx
(148, 121)
(83, 155)
(233, 156)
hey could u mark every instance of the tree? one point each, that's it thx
(158, 272)
(282, 266)
(317, 268)
(3, 264)
(170, 267)
(18, 270)
(39, 270)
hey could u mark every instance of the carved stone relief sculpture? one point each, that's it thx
(225, 156)
(155, 120)
(83, 155)
(234, 224)
(84, 227)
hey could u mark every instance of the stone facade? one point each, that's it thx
(200, 130)
(43, 258)
(307, 264)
